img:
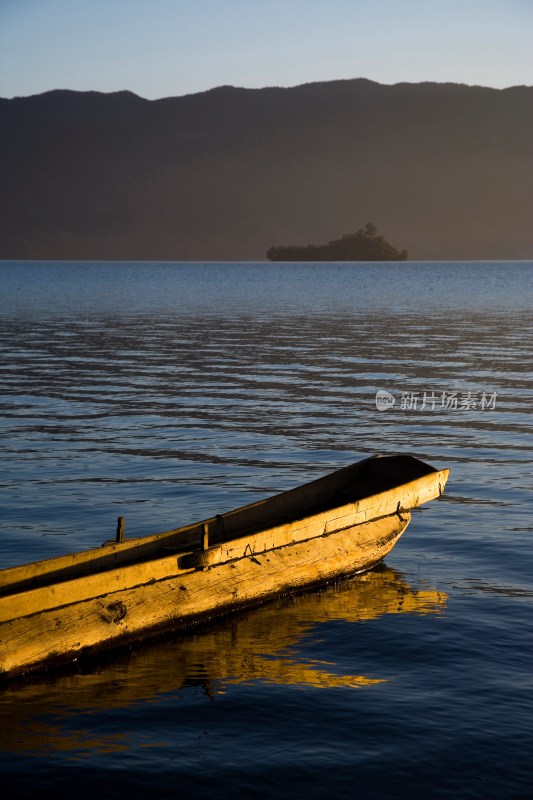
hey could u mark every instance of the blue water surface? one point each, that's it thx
(166, 393)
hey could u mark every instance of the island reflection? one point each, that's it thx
(257, 645)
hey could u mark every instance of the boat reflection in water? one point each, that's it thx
(260, 644)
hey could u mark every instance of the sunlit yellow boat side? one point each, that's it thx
(56, 610)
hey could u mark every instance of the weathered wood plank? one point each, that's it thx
(97, 558)
(76, 565)
(79, 589)
(118, 616)
(350, 515)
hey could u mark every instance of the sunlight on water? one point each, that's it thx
(168, 393)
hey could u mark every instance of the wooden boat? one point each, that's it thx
(55, 610)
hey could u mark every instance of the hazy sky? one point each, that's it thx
(161, 48)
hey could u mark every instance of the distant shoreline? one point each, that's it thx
(262, 262)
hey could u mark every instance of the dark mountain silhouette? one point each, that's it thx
(363, 245)
(445, 169)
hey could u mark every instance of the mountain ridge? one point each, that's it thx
(446, 169)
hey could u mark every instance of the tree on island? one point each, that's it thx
(363, 245)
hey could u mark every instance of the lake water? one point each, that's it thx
(170, 392)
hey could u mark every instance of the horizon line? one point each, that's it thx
(267, 87)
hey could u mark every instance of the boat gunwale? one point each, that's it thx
(115, 548)
(119, 556)
(404, 516)
(252, 543)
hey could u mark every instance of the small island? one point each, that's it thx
(363, 245)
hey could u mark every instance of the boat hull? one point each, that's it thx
(59, 609)
(191, 595)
